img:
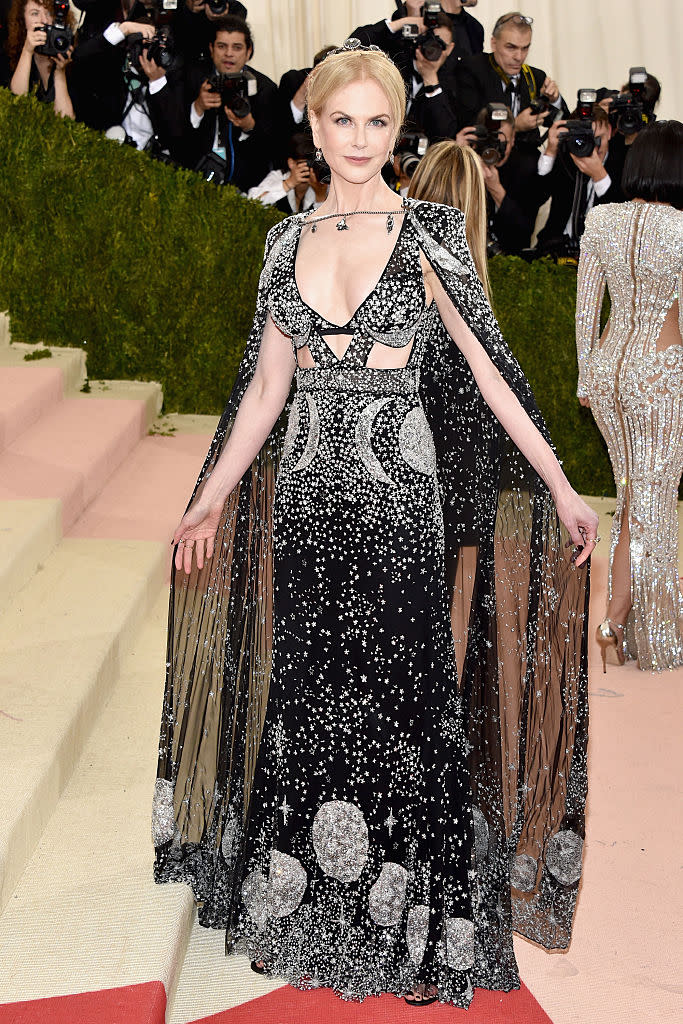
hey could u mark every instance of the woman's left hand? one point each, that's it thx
(581, 522)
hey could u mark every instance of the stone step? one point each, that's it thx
(29, 530)
(25, 395)
(61, 641)
(86, 913)
(72, 450)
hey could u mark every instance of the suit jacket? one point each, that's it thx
(478, 83)
(513, 222)
(436, 117)
(464, 26)
(289, 83)
(100, 94)
(254, 156)
(561, 184)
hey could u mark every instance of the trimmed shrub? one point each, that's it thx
(155, 272)
(148, 267)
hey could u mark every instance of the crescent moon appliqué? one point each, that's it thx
(313, 439)
(292, 429)
(364, 437)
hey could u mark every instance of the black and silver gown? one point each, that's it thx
(351, 809)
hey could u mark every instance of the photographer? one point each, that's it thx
(231, 129)
(296, 188)
(193, 25)
(292, 95)
(577, 183)
(514, 194)
(37, 61)
(466, 32)
(503, 76)
(128, 77)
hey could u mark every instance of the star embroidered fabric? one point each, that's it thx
(351, 806)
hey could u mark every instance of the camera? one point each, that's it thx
(234, 87)
(630, 111)
(579, 139)
(489, 143)
(541, 104)
(410, 149)
(217, 6)
(432, 46)
(59, 36)
(159, 49)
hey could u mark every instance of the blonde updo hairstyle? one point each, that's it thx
(451, 174)
(338, 70)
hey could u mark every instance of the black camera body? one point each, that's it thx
(410, 149)
(432, 46)
(579, 139)
(159, 49)
(630, 111)
(59, 36)
(234, 90)
(540, 104)
(489, 143)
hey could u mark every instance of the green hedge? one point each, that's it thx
(155, 273)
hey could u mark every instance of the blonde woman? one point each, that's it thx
(452, 174)
(327, 785)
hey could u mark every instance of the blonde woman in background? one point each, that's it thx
(451, 174)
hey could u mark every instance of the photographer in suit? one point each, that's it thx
(231, 126)
(425, 57)
(466, 32)
(577, 183)
(513, 190)
(194, 25)
(503, 76)
(292, 96)
(123, 84)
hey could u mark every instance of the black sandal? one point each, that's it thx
(421, 1000)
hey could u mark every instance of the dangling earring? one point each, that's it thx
(319, 155)
(390, 156)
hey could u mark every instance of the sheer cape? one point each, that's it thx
(517, 600)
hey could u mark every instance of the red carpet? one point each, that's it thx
(289, 1006)
(146, 1004)
(134, 1004)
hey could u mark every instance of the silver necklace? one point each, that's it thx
(343, 226)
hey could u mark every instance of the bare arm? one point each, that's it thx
(263, 402)
(580, 520)
(258, 411)
(590, 289)
(62, 103)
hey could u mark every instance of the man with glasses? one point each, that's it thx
(503, 76)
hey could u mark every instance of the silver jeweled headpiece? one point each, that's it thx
(351, 44)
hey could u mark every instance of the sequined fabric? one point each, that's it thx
(346, 806)
(636, 395)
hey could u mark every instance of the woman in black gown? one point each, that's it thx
(352, 813)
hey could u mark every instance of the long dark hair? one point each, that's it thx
(654, 166)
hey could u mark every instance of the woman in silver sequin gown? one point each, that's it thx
(632, 377)
(347, 808)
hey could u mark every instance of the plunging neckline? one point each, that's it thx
(339, 327)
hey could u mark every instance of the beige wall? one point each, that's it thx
(581, 43)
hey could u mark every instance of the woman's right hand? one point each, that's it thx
(35, 37)
(196, 532)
